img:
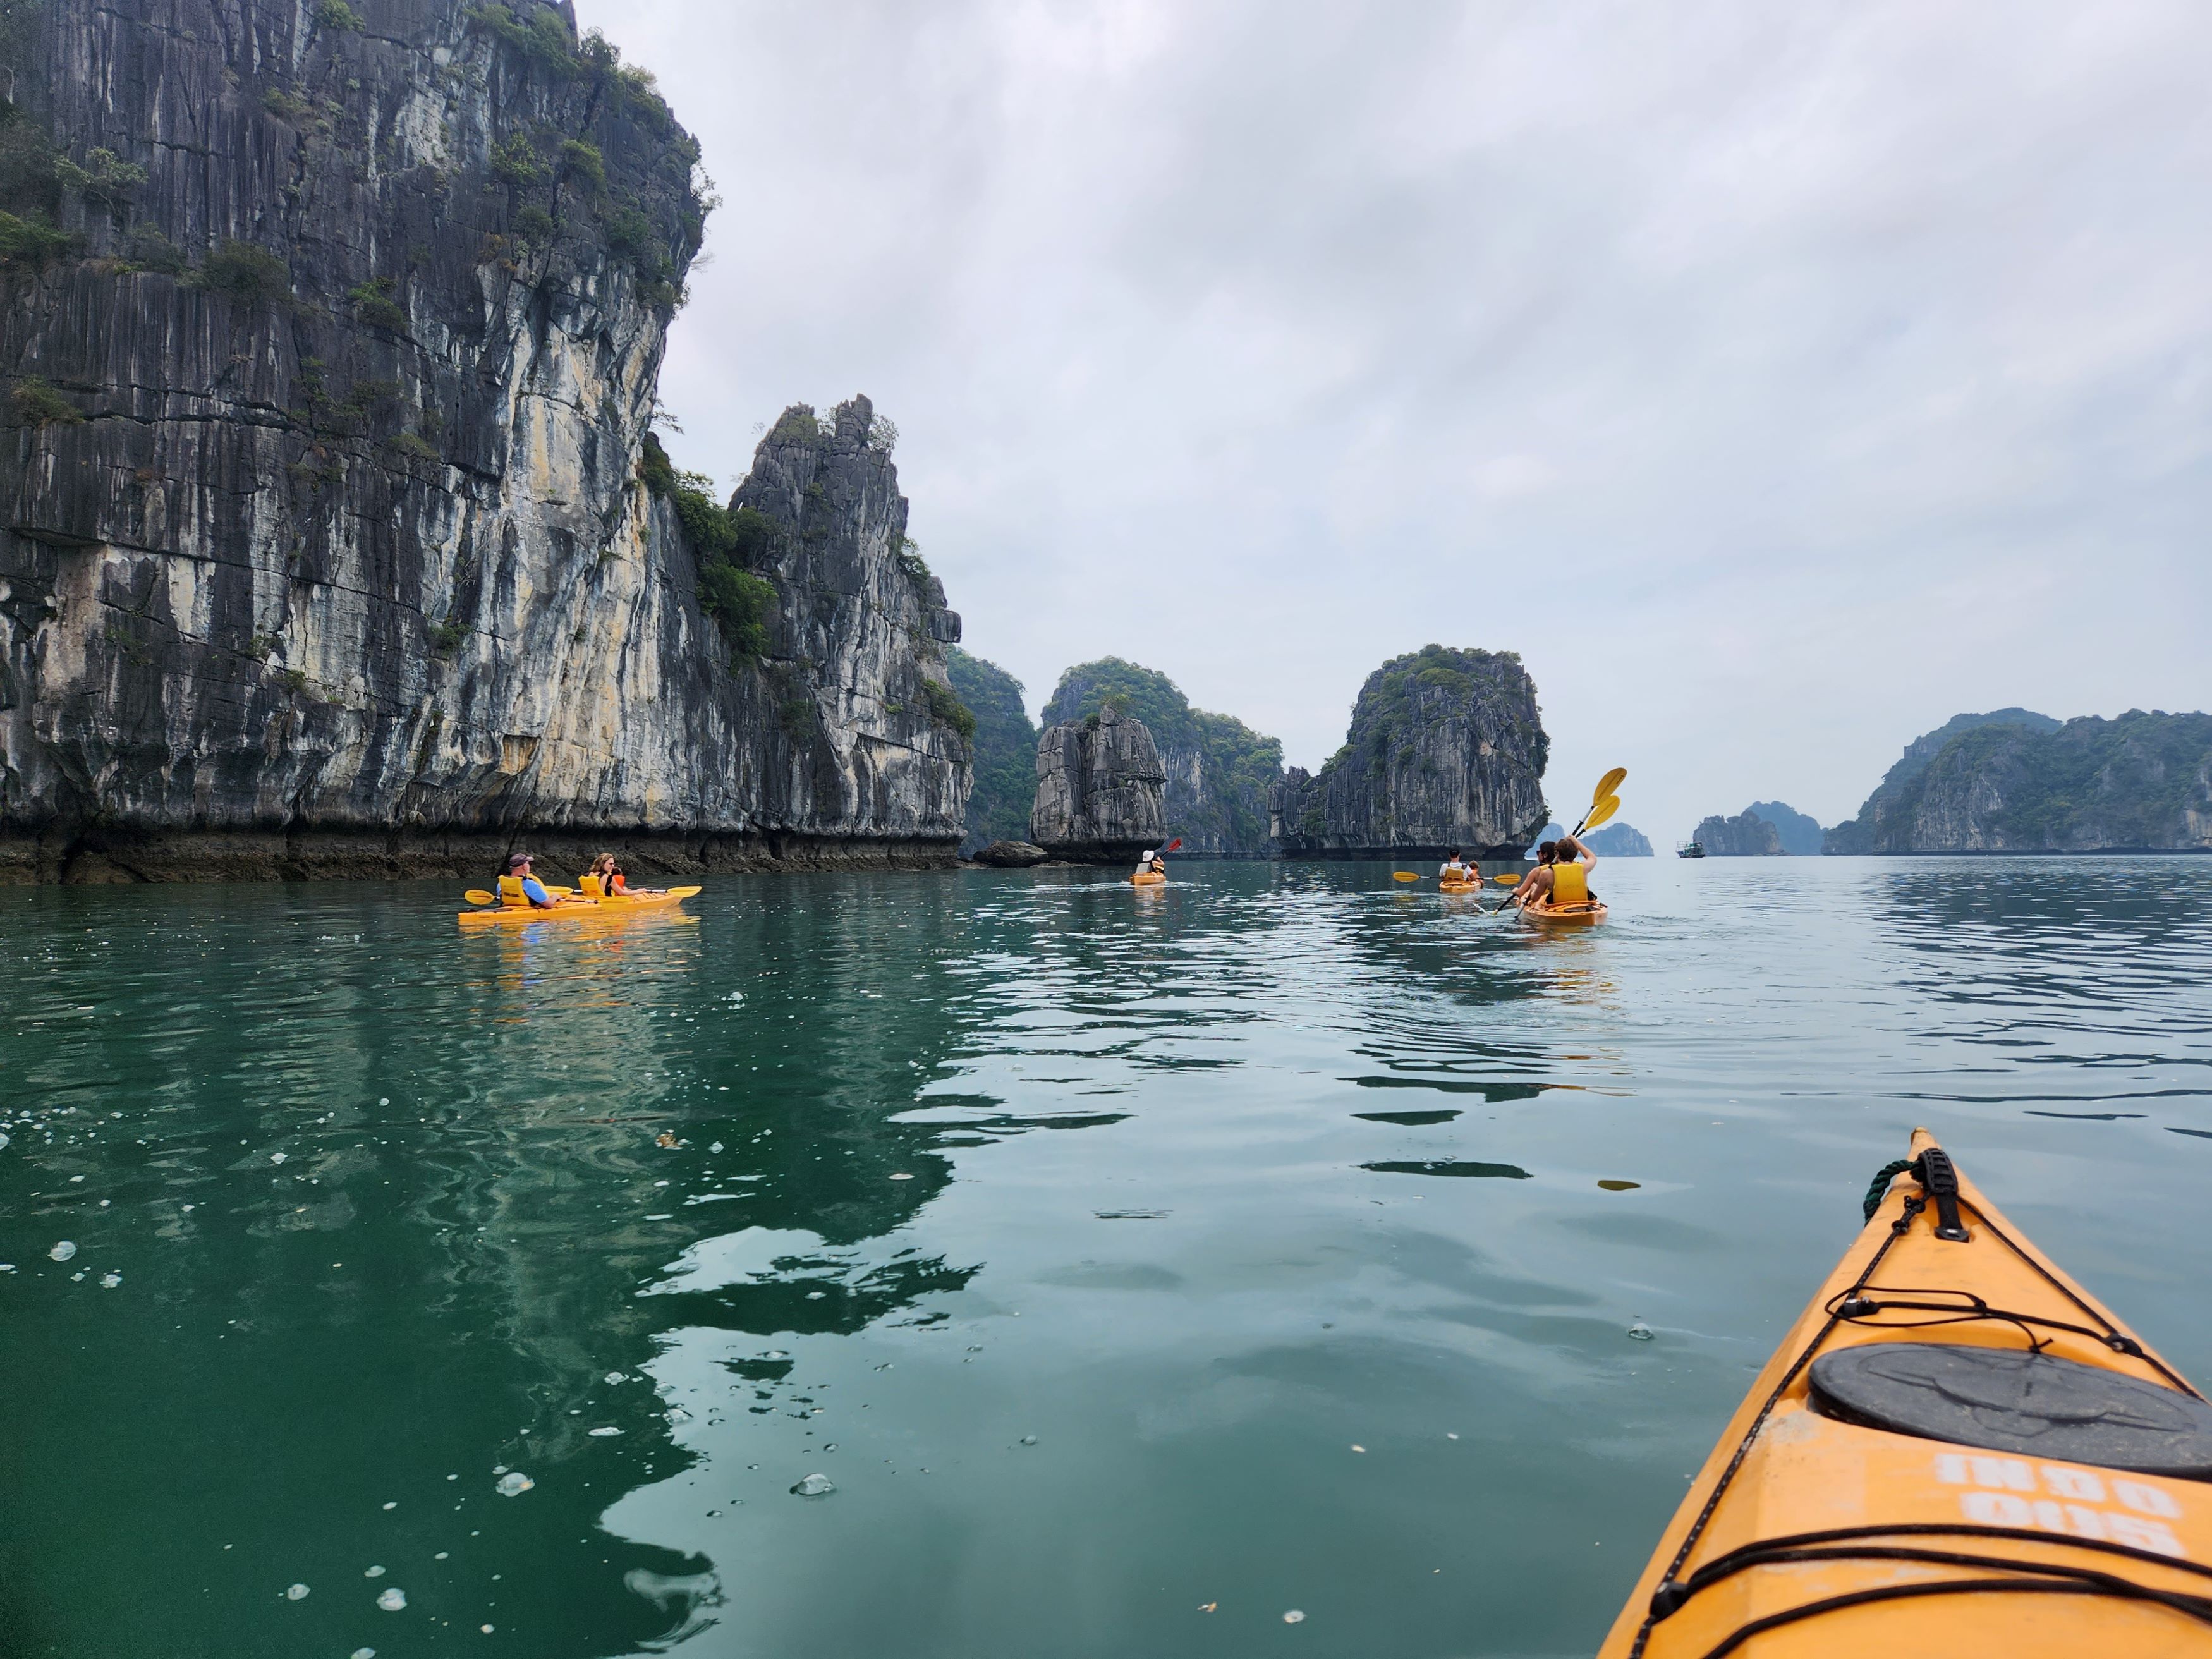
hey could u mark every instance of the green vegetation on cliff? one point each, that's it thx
(1006, 746)
(1219, 771)
(2002, 783)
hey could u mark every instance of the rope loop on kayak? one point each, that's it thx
(1878, 1189)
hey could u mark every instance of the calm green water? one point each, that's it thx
(1082, 1237)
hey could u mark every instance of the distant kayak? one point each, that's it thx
(1459, 887)
(1148, 879)
(1956, 1450)
(580, 909)
(1588, 914)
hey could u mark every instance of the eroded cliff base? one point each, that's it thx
(93, 858)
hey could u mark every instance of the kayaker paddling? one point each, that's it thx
(1455, 869)
(1561, 876)
(1152, 863)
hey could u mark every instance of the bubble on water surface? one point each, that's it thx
(776, 1353)
(109, 1281)
(716, 1147)
(62, 1251)
(363, 1653)
(393, 1599)
(276, 1157)
(1294, 1617)
(616, 1377)
(601, 1434)
(815, 1486)
(513, 1484)
(1028, 1440)
(1639, 1332)
(297, 1593)
(902, 1177)
(384, 1100)
(815, 1296)
(373, 1572)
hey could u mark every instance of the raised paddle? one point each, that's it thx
(1599, 813)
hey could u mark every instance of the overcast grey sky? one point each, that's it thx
(1778, 380)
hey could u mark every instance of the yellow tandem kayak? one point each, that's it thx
(1956, 1449)
(579, 909)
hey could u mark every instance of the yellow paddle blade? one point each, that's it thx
(1403, 875)
(1604, 810)
(682, 892)
(1507, 881)
(1608, 784)
(477, 895)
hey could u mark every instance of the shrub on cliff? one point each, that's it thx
(946, 709)
(30, 241)
(739, 601)
(37, 404)
(244, 273)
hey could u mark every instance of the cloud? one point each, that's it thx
(1778, 380)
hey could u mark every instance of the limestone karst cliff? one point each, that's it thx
(2142, 782)
(1100, 789)
(1447, 749)
(1219, 771)
(331, 342)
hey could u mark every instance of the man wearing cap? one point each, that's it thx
(519, 881)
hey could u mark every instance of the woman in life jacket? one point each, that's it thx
(612, 881)
(1561, 875)
(1152, 863)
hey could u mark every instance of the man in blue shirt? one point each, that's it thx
(533, 889)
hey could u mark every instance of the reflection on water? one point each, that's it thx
(1076, 1234)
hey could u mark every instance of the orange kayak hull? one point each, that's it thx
(1812, 1532)
(496, 915)
(1148, 879)
(1589, 913)
(1459, 887)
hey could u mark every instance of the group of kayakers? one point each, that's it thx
(604, 879)
(1561, 875)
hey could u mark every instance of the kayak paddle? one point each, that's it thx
(1604, 792)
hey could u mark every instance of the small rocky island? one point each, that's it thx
(1219, 771)
(1447, 749)
(1101, 787)
(1746, 835)
(2016, 782)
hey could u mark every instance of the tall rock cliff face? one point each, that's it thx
(2140, 783)
(1860, 834)
(1447, 749)
(331, 338)
(1746, 835)
(1219, 771)
(1100, 789)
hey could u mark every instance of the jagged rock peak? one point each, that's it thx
(1100, 786)
(1447, 749)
